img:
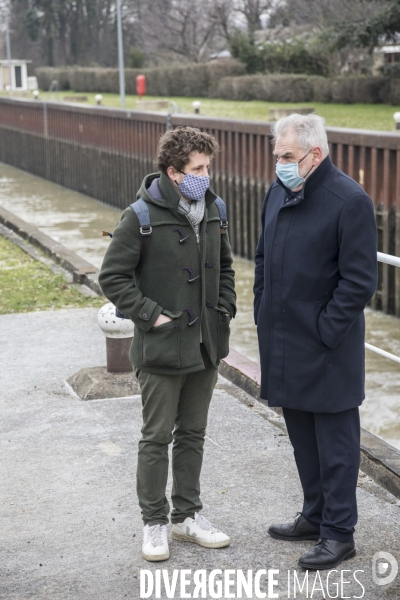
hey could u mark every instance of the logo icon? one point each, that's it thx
(384, 568)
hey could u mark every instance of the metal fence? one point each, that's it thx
(105, 153)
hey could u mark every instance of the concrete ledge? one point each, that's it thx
(379, 460)
(82, 271)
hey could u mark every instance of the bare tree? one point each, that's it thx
(324, 13)
(192, 29)
(178, 29)
(253, 10)
(224, 17)
(3, 9)
(54, 32)
(68, 32)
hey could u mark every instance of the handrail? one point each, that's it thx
(395, 261)
(389, 259)
(383, 353)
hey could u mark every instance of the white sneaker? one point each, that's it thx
(155, 543)
(200, 531)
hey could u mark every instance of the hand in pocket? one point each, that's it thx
(161, 320)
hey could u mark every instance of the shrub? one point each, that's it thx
(294, 56)
(395, 92)
(271, 88)
(226, 79)
(94, 80)
(352, 90)
(45, 75)
(189, 80)
(136, 59)
(244, 48)
(301, 88)
(390, 70)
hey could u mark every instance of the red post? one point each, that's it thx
(141, 86)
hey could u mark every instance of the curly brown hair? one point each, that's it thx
(176, 147)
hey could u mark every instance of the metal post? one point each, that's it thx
(8, 48)
(120, 56)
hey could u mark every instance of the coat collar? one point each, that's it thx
(314, 181)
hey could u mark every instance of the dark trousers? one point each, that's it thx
(327, 453)
(175, 409)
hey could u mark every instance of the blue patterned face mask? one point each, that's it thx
(193, 187)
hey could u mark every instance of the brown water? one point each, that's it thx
(77, 221)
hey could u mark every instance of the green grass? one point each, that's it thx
(27, 285)
(358, 116)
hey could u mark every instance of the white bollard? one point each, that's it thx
(196, 105)
(119, 335)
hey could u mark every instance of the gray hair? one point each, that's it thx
(309, 131)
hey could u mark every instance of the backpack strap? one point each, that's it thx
(142, 212)
(223, 217)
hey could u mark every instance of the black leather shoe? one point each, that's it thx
(298, 530)
(327, 554)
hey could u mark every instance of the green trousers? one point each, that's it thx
(175, 408)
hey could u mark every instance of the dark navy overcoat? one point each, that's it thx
(316, 269)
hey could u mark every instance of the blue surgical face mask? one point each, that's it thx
(289, 173)
(193, 187)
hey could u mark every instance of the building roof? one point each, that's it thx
(14, 61)
(388, 49)
(221, 54)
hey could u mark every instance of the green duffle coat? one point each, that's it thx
(191, 281)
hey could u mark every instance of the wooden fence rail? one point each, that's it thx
(105, 153)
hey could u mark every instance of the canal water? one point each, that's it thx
(77, 221)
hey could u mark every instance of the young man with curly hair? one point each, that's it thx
(181, 301)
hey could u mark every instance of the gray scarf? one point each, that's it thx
(193, 211)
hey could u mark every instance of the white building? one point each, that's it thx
(19, 75)
(391, 54)
(385, 55)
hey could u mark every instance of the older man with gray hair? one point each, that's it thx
(316, 269)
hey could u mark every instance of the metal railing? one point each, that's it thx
(105, 153)
(395, 262)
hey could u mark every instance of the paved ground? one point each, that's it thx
(70, 525)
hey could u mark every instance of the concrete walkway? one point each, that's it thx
(70, 525)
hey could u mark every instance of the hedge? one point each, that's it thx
(46, 75)
(226, 79)
(354, 90)
(302, 88)
(199, 80)
(395, 92)
(272, 88)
